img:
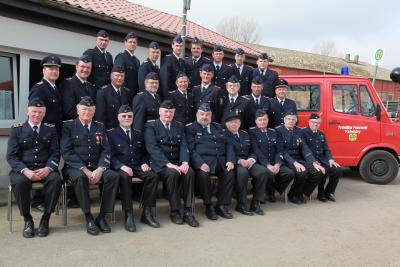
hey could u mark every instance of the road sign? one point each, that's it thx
(378, 57)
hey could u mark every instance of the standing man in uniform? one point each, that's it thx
(209, 93)
(222, 71)
(47, 91)
(130, 63)
(256, 102)
(318, 145)
(86, 152)
(129, 160)
(233, 102)
(171, 66)
(267, 145)
(76, 87)
(245, 167)
(111, 97)
(269, 77)
(146, 104)
(298, 157)
(102, 60)
(150, 64)
(211, 154)
(183, 100)
(169, 157)
(242, 71)
(194, 63)
(33, 156)
(280, 105)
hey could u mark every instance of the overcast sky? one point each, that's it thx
(356, 27)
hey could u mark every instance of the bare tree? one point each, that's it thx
(240, 29)
(326, 48)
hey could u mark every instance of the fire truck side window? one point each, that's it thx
(306, 96)
(366, 105)
(345, 98)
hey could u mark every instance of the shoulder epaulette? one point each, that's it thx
(189, 124)
(168, 55)
(172, 91)
(109, 130)
(178, 122)
(17, 125)
(67, 120)
(252, 128)
(151, 121)
(248, 97)
(67, 79)
(140, 93)
(49, 125)
(99, 122)
(242, 96)
(41, 82)
(136, 130)
(271, 129)
(104, 86)
(206, 58)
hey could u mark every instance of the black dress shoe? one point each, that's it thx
(223, 212)
(256, 208)
(147, 218)
(243, 210)
(29, 229)
(296, 200)
(43, 228)
(175, 217)
(129, 222)
(210, 213)
(331, 197)
(91, 227)
(38, 207)
(322, 198)
(103, 225)
(189, 218)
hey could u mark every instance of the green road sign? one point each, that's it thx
(378, 54)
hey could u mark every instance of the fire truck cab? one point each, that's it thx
(359, 131)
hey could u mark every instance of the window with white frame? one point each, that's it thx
(8, 88)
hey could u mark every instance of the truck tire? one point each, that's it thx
(379, 167)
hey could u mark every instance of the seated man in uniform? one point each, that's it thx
(86, 152)
(129, 160)
(211, 154)
(33, 155)
(318, 145)
(267, 146)
(298, 157)
(245, 167)
(169, 157)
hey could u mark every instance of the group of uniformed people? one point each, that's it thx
(182, 123)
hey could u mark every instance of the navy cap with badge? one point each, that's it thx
(291, 112)
(263, 56)
(197, 41)
(152, 76)
(207, 68)
(233, 79)
(314, 116)
(205, 107)
(232, 116)
(118, 69)
(85, 58)
(281, 83)
(86, 101)
(257, 80)
(154, 45)
(51, 61)
(177, 39)
(167, 104)
(218, 48)
(260, 113)
(124, 109)
(36, 102)
(239, 51)
(181, 74)
(130, 35)
(102, 33)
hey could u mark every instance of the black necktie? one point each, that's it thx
(35, 132)
(185, 95)
(194, 61)
(203, 89)
(232, 100)
(290, 137)
(262, 73)
(257, 102)
(237, 138)
(167, 128)
(128, 134)
(87, 127)
(105, 55)
(217, 68)
(205, 130)
(119, 92)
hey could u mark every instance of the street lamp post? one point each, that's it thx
(186, 7)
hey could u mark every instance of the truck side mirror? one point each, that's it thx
(378, 112)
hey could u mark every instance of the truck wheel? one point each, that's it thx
(379, 167)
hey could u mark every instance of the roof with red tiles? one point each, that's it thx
(152, 18)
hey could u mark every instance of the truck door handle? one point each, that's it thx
(333, 122)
